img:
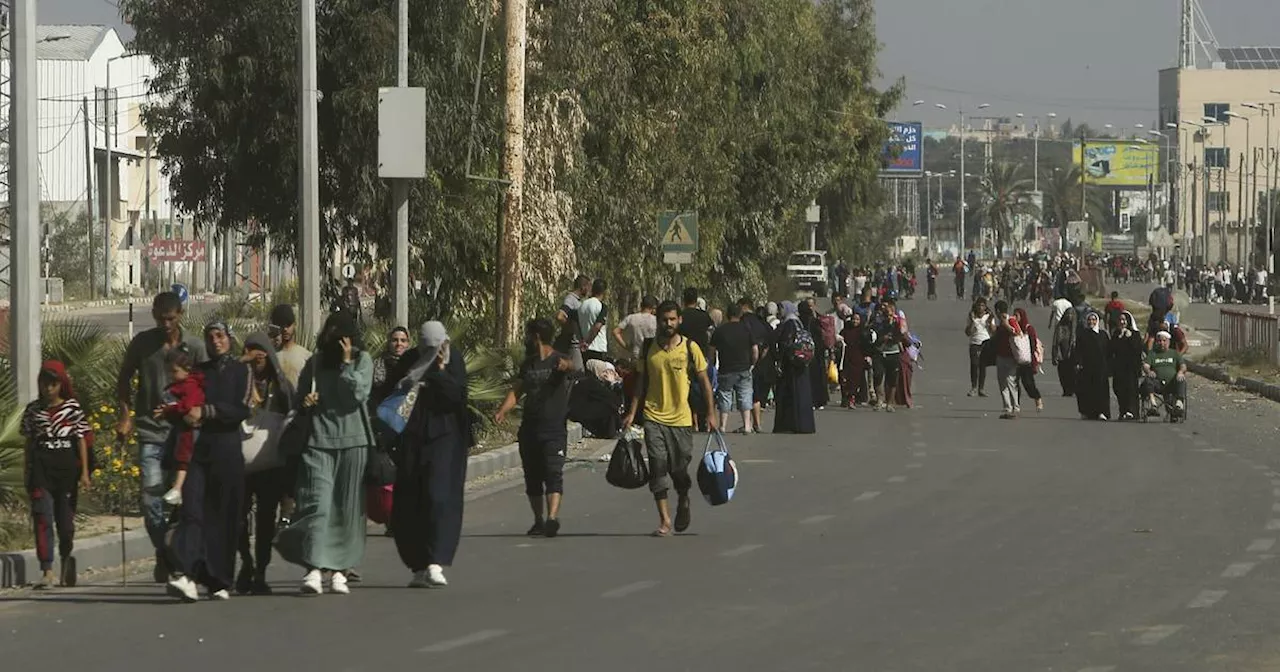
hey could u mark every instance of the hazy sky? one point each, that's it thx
(1090, 60)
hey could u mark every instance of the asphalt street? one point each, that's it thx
(116, 318)
(935, 539)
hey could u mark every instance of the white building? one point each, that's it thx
(76, 66)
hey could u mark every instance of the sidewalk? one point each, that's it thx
(1198, 320)
(108, 551)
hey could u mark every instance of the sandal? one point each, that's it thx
(661, 532)
(684, 514)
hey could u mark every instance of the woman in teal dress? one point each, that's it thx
(328, 529)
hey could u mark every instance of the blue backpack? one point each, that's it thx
(717, 474)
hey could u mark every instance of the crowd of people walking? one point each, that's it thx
(261, 448)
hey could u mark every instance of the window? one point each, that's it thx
(1218, 111)
(1219, 201)
(1217, 157)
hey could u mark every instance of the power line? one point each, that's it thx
(1091, 104)
(78, 98)
(70, 127)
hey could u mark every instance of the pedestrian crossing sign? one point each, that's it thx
(679, 231)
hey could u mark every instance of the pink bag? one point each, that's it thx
(377, 503)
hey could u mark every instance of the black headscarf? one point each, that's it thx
(260, 341)
(388, 368)
(338, 326)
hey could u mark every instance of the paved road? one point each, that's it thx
(938, 539)
(116, 318)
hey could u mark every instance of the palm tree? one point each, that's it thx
(1062, 198)
(1005, 194)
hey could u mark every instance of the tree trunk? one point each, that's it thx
(512, 240)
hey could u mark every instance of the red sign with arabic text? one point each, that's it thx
(160, 249)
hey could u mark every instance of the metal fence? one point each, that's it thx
(1242, 331)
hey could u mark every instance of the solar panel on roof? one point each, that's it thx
(1250, 58)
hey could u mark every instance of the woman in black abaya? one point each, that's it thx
(818, 385)
(1127, 353)
(1093, 352)
(794, 393)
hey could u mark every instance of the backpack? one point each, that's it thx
(827, 324)
(1064, 336)
(799, 347)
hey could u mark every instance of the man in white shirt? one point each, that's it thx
(1059, 308)
(636, 328)
(593, 316)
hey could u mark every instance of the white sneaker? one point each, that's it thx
(435, 576)
(338, 584)
(1102, 417)
(311, 583)
(1178, 404)
(420, 580)
(220, 595)
(186, 588)
(173, 497)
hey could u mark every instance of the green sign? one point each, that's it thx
(678, 231)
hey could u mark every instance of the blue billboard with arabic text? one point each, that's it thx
(904, 151)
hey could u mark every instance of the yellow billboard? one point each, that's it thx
(1117, 163)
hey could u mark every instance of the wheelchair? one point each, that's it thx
(1166, 406)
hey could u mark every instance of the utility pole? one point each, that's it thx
(510, 262)
(400, 186)
(91, 204)
(24, 202)
(1240, 213)
(1194, 193)
(1253, 210)
(146, 212)
(961, 250)
(308, 173)
(108, 116)
(1084, 209)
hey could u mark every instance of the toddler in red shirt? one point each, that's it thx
(187, 392)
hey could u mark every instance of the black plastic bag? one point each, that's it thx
(627, 467)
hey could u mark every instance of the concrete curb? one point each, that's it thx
(104, 551)
(1221, 375)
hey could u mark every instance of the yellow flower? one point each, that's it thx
(134, 471)
(97, 427)
(97, 472)
(116, 465)
(104, 408)
(106, 450)
(112, 488)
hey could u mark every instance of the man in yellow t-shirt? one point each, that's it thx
(665, 378)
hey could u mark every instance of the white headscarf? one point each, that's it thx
(433, 339)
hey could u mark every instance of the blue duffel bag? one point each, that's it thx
(717, 474)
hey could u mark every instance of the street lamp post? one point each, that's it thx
(1204, 186)
(960, 110)
(1242, 206)
(1035, 161)
(109, 112)
(1268, 160)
